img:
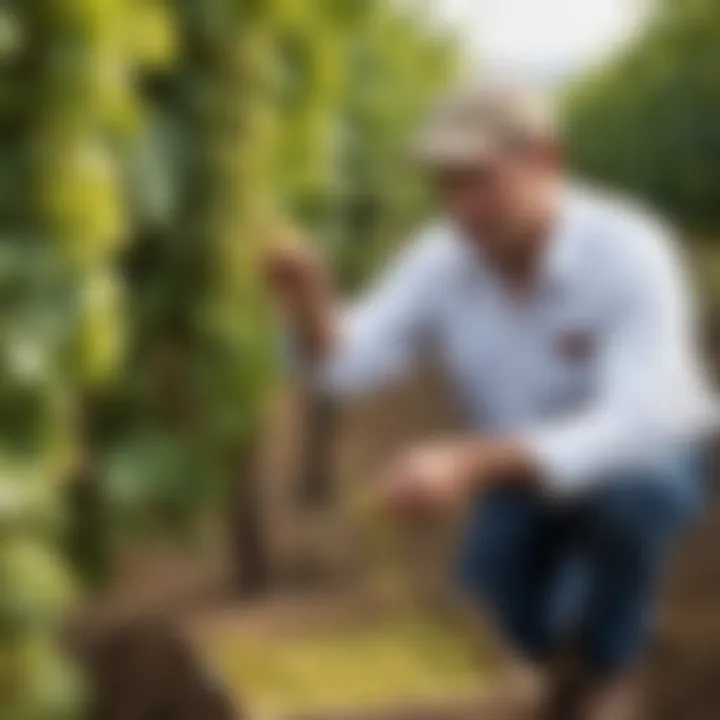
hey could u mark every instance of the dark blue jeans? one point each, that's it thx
(585, 572)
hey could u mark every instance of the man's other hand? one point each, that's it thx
(428, 479)
(431, 478)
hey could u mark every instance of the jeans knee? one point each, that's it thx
(518, 616)
(496, 566)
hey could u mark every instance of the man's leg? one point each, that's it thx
(510, 559)
(629, 527)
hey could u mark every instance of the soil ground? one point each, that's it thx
(680, 678)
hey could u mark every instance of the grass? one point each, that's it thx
(381, 663)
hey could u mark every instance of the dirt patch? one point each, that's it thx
(682, 674)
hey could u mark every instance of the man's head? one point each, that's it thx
(493, 152)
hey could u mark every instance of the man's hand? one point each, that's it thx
(431, 478)
(298, 278)
(295, 272)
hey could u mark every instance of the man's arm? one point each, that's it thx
(354, 349)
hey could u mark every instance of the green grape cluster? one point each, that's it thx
(36, 452)
(61, 330)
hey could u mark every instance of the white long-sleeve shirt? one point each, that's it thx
(596, 369)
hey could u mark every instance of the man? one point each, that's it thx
(565, 324)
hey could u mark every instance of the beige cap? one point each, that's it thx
(472, 122)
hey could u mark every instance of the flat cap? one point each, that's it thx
(473, 121)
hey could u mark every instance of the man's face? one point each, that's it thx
(493, 200)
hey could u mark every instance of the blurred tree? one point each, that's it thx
(233, 129)
(648, 121)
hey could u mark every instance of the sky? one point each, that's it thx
(542, 39)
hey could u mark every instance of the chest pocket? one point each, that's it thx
(567, 377)
(575, 346)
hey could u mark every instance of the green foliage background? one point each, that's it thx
(648, 121)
